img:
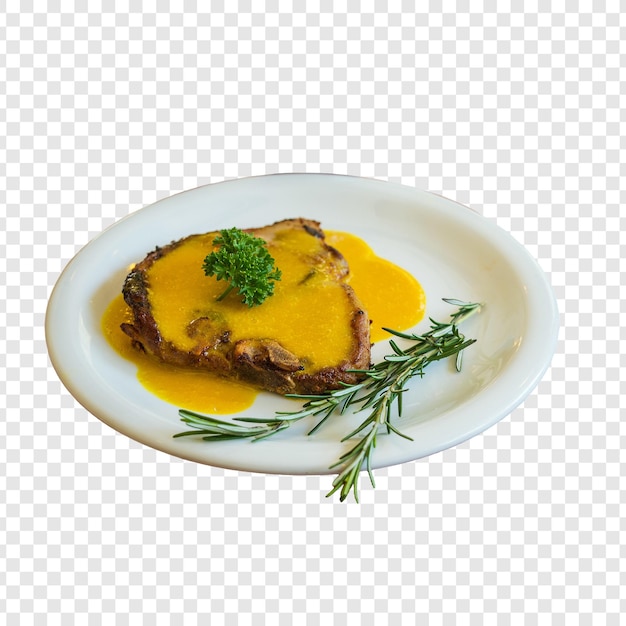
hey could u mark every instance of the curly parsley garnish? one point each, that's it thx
(243, 260)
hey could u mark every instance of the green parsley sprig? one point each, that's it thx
(244, 261)
(380, 390)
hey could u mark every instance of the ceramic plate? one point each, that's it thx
(450, 249)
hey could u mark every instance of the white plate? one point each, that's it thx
(450, 249)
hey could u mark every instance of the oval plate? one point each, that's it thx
(450, 249)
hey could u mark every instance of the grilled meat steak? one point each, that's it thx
(304, 339)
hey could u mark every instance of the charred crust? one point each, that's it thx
(313, 228)
(336, 254)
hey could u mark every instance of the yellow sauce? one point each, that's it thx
(186, 388)
(291, 315)
(389, 294)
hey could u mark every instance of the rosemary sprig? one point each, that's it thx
(387, 382)
(381, 388)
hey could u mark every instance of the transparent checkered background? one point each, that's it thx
(519, 115)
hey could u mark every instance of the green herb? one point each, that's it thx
(243, 260)
(381, 388)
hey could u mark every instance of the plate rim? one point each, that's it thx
(550, 304)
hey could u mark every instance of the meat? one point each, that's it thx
(304, 339)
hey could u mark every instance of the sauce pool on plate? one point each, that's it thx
(390, 295)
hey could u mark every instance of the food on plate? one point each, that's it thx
(390, 295)
(307, 337)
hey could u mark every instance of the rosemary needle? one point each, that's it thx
(382, 387)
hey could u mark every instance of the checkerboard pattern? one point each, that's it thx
(514, 109)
